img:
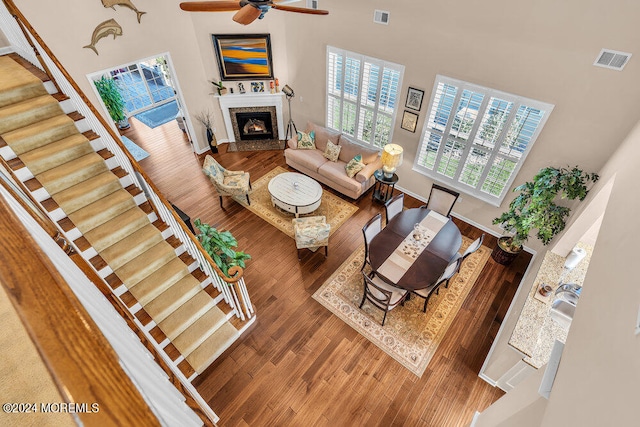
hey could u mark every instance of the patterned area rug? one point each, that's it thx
(336, 210)
(273, 144)
(409, 336)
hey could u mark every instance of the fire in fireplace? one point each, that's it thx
(254, 125)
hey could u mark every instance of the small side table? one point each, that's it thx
(383, 188)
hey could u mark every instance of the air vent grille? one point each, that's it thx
(312, 4)
(612, 59)
(381, 17)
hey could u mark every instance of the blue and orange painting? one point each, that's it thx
(245, 57)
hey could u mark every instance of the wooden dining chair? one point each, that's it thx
(393, 207)
(446, 276)
(370, 230)
(381, 294)
(441, 199)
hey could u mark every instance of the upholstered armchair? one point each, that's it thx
(312, 233)
(226, 182)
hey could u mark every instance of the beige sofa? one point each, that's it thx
(333, 174)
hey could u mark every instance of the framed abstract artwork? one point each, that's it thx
(243, 56)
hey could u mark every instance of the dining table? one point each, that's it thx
(414, 248)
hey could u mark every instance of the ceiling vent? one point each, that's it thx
(312, 4)
(612, 59)
(381, 17)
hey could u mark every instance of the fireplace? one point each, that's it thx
(255, 125)
(256, 104)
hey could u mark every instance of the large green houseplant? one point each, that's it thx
(535, 208)
(219, 245)
(112, 99)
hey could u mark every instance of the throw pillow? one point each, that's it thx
(306, 141)
(332, 151)
(354, 166)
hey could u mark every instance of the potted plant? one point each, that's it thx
(206, 118)
(219, 87)
(112, 98)
(219, 245)
(535, 208)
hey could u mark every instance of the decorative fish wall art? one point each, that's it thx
(123, 3)
(104, 29)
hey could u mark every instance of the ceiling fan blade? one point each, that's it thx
(247, 14)
(210, 6)
(299, 9)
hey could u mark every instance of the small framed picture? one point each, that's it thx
(409, 121)
(257, 86)
(414, 99)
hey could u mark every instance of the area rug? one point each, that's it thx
(272, 144)
(137, 152)
(336, 210)
(159, 115)
(409, 336)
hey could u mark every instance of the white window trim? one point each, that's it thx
(488, 92)
(382, 64)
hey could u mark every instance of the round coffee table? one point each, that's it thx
(295, 193)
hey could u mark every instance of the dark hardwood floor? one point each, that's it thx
(299, 364)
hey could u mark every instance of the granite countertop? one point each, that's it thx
(535, 331)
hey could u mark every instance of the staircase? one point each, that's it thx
(111, 223)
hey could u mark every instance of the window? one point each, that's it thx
(362, 95)
(475, 139)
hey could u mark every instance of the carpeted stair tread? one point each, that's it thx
(131, 246)
(159, 281)
(102, 210)
(87, 192)
(212, 347)
(40, 133)
(199, 331)
(186, 314)
(137, 269)
(24, 113)
(56, 153)
(117, 228)
(172, 298)
(71, 173)
(20, 86)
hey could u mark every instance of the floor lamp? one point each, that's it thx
(291, 127)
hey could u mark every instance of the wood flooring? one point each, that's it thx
(299, 365)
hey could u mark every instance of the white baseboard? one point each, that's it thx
(488, 380)
(475, 419)
(6, 50)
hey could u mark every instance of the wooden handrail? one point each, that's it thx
(82, 362)
(235, 272)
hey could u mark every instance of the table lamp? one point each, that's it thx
(391, 159)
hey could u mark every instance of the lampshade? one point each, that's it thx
(391, 159)
(288, 91)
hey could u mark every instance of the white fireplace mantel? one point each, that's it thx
(252, 99)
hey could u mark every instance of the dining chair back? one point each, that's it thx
(370, 230)
(442, 199)
(381, 294)
(445, 277)
(473, 247)
(393, 207)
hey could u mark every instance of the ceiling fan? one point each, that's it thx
(247, 10)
